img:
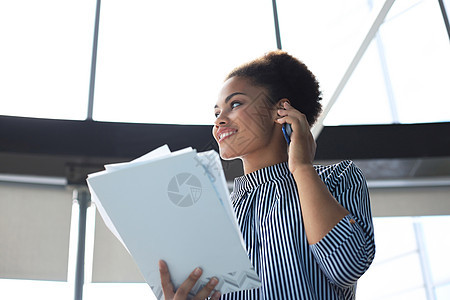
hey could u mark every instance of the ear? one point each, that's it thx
(280, 103)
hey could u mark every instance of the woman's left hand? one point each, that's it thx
(320, 210)
(185, 288)
(302, 148)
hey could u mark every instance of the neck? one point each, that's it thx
(250, 166)
(265, 158)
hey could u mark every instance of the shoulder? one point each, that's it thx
(340, 176)
(275, 186)
(285, 187)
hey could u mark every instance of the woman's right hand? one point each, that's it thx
(183, 291)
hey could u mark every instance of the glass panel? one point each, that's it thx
(435, 230)
(118, 291)
(45, 57)
(164, 62)
(417, 48)
(443, 292)
(396, 266)
(396, 276)
(414, 294)
(36, 289)
(394, 237)
(364, 99)
(326, 35)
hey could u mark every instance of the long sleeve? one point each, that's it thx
(347, 251)
(268, 212)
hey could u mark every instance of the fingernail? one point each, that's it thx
(216, 295)
(197, 272)
(214, 281)
(161, 264)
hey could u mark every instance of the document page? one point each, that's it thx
(175, 206)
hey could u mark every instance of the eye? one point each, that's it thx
(216, 114)
(235, 104)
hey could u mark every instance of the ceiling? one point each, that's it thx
(72, 149)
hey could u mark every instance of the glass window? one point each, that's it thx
(35, 289)
(443, 292)
(364, 99)
(396, 275)
(435, 230)
(415, 294)
(417, 53)
(394, 231)
(326, 35)
(45, 58)
(399, 269)
(402, 79)
(164, 62)
(118, 291)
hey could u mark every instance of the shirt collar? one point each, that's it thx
(252, 180)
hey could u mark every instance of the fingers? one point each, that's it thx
(298, 124)
(186, 287)
(208, 289)
(216, 296)
(290, 115)
(302, 148)
(166, 283)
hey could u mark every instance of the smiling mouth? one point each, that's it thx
(226, 135)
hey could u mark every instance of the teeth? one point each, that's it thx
(223, 135)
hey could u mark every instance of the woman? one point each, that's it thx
(308, 229)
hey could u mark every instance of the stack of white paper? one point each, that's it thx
(175, 206)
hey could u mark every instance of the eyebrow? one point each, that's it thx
(231, 96)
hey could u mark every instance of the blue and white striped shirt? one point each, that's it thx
(269, 215)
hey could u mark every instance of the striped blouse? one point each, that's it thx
(268, 213)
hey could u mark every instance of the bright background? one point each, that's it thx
(164, 62)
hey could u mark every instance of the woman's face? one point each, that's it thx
(245, 119)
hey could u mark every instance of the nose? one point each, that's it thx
(221, 120)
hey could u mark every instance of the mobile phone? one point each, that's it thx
(287, 131)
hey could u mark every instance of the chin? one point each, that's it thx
(228, 154)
